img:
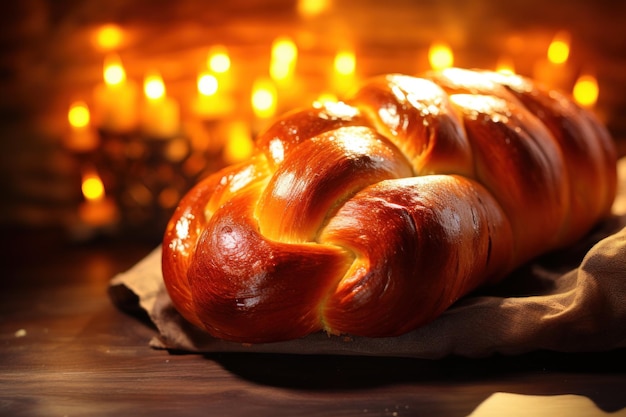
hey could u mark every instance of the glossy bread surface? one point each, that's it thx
(372, 217)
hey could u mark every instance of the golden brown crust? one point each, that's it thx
(420, 243)
(326, 170)
(372, 217)
(418, 117)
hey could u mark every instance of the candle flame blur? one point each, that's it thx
(586, 90)
(218, 60)
(559, 48)
(283, 58)
(153, 86)
(239, 146)
(81, 138)
(440, 56)
(345, 62)
(92, 186)
(325, 97)
(263, 98)
(207, 84)
(78, 114)
(505, 66)
(284, 50)
(312, 8)
(114, 73)
(109, 36)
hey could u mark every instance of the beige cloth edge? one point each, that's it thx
(580, 310)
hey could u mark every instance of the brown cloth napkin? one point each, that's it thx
(571, 301)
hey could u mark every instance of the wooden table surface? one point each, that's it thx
(68, 351)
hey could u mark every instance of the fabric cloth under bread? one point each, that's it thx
(571, 301)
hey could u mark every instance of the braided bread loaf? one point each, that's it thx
(372, 217)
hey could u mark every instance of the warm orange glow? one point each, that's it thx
(239, 145)
(264, 98)
(211, 101)
(114, 73)
(160, 116)
(440, 56)
(284, 57)
(92, 187)
(558, 51)
(109, 37)
(207, 84)
(312, 8)
(219, 59)
(284, 50)
(98, 210)
(586, 90)
(78, 115)
(505, 66)
(80, 138)
(169, 197)
(345, 62)
(153, 86)
(326, 98)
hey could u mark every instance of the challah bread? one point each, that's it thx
(373, 216)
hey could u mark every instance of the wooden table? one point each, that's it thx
(68, 351)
